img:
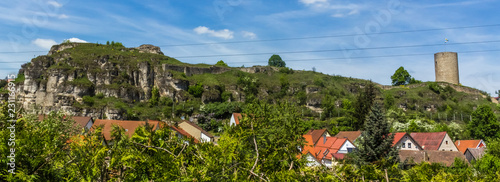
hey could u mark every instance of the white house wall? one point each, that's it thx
(447, 144)
(232, 122)
(205, 138)
(343, 149)
(406, 140)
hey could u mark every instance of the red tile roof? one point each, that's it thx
(333, 144)
(237, 117)
(429, 141)
(308, 145)
(462, 145)
(351, 135)
(129, 126)
(316, 134)
(398, 137)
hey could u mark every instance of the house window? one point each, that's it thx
(446, 142)
(403, 145)
(409, 145)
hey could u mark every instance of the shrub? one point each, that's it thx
(196, 90)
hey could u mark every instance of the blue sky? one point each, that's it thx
(35, 25)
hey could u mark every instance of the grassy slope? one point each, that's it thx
(83, 56)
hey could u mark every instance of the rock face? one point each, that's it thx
(148, 48)
(55, 82)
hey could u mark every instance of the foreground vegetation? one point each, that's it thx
(262, 148)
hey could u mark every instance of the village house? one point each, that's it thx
(84, 121)
(180, 133)
(472, 154)
(317, 134)
(403, 141)
(463, 145)
(197, 132)
(322, 149)
(413, 157)
(434, 141)
(235, 119)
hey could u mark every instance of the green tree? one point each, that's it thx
(484, 124)
(401, 77)
(375, 145)
(275, 60)
(388, 100)
(221, 63)
(155, 96)
(363, 104)
(196, 90)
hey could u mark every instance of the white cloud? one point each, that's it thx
(44, 43)
(225, 33)
(55, 4)
(310, 2)
(63, 16)
(249, 35)
(77, 40)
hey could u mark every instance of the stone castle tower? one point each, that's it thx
(446, 66)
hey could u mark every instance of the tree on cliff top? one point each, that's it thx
(402, 77)
(275, 60)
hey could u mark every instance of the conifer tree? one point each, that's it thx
(376, 141)
(364, 102)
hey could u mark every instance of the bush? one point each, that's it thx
(221, 63)
(196, 90)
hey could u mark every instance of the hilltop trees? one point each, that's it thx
(402, 77)
(221, 63)
(275, 60)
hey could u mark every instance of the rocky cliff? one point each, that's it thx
(64, 76)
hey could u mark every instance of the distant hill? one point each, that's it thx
(115, 82)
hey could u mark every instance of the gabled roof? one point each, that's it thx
(81, 120)
(398, 137)
(462, 145)
(429, 141)
(351, 135)
(477, 153)
(316, 134)
(183, 133)
(198, 127)
(433, 156)
(237, 117)
(333, 144)
(129, 126)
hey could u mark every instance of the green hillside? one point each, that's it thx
(324, 100)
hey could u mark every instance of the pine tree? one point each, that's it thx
(376, 141)
(364, 102)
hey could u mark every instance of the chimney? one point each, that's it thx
(458, 143)
(324, 139)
